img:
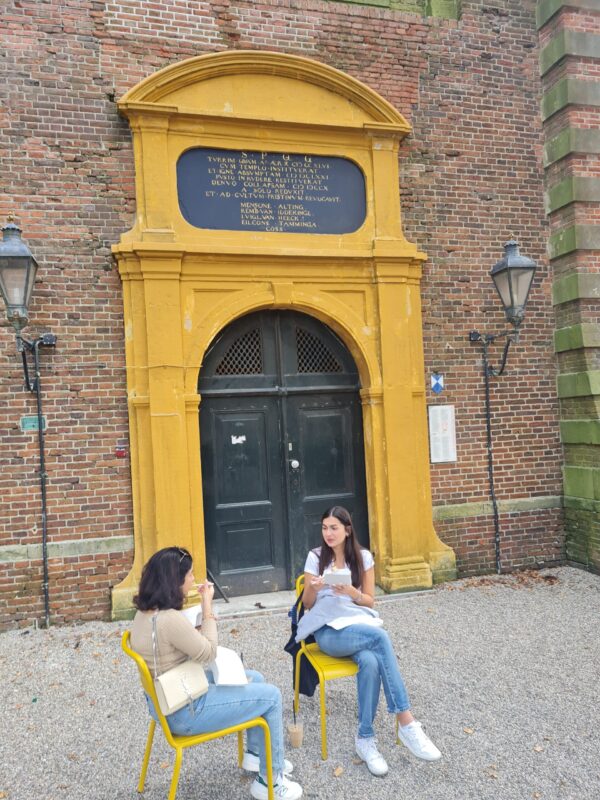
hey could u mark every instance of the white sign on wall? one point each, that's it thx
(442, 434)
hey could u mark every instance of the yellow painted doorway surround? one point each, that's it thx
(183, 284)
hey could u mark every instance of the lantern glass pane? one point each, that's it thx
(503, 286)
(17, 276)
(13, 284)
(521, 283)
(31, 272)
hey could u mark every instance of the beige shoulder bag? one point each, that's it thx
(181, 684)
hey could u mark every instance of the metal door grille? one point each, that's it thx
(244, 357)
(313, 355)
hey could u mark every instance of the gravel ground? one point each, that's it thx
(502, 671)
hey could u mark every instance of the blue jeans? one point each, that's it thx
(223, 706)
(371, 649)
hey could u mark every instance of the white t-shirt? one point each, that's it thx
(312, 562)
(312, 567)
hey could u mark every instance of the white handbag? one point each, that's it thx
(181, 684)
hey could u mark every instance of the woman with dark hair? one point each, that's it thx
(344, 624)
(166, 580)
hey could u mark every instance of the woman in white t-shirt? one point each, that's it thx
(343, 622)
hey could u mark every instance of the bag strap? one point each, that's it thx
(155, 644)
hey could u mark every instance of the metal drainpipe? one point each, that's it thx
(43, 481)
(488, 372)
(48, 340)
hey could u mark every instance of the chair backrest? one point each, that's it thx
(299, 594)
(147, 684)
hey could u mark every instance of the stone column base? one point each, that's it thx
(406, 574)
(443, 565)
(122, 603)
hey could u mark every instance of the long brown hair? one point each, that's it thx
(352, 548)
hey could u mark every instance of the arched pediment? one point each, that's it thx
(258, 85)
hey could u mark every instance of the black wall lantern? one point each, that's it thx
(17, 276)
(512, 276)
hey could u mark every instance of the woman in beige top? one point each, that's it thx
(166, 580)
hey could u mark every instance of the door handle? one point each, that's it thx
(294, 464)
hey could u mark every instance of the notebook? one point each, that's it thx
(227, 668)
(340, 577)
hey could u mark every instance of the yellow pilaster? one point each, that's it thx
(386, 197)
(154, 196)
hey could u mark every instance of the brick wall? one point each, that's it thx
(472, 179)
(471, 176)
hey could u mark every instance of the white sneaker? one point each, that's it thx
(417, 741)
(367, 750)
(283, 788)
(251, 763)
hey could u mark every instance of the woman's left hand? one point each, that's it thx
(351, 591)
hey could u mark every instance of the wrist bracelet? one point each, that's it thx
(208, 616)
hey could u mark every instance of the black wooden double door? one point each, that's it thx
(281, 441)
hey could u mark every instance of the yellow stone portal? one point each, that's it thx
(183, 284)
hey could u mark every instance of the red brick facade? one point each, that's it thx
(471, 176)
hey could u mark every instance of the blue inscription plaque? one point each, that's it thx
(239, 190)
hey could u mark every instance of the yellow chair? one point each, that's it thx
(327, 668)
(179, 743)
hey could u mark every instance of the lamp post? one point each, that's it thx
(512, 276)
(17, 276)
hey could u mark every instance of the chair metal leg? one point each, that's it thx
(269, 760)
(240, 738)
(323, 719)
(176, 769)
(149, 740)
(297, 682)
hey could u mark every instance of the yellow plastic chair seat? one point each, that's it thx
(328, 668)
(180, 743)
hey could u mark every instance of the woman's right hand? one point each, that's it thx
(207, 591)
(312, 586)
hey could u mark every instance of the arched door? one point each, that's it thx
(281, 440)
